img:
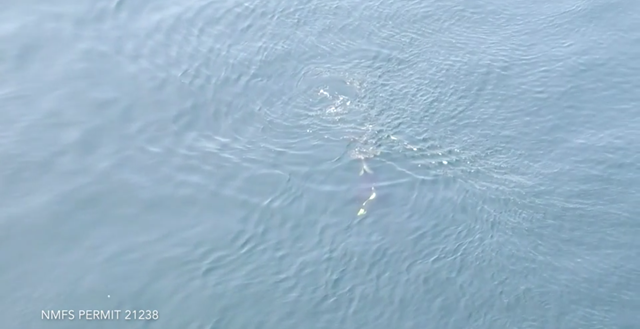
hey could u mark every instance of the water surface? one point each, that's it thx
(202, 159)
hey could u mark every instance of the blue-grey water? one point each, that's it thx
(202, 159)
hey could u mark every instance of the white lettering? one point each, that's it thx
(57, 315)
(99, 315)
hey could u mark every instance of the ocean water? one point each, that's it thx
(200, 161)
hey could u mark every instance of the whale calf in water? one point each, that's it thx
(367, 185)
(367, 173)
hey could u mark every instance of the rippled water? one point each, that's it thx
(203, 159)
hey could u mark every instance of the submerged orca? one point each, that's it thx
(366, 171)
